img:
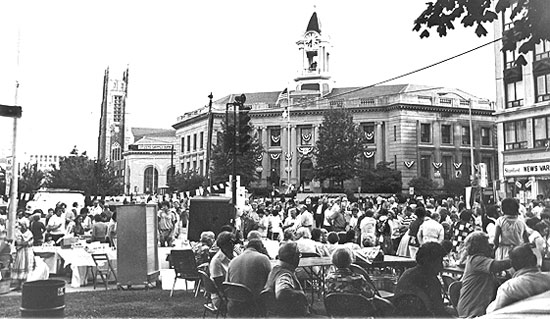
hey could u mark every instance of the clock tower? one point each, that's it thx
(314, 73)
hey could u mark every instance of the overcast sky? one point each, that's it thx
(180, 51)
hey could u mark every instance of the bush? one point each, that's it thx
(422, 186)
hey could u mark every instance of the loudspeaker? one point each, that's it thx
(209, 213)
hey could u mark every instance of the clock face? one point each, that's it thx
(311, 40)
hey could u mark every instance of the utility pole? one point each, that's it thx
(209, 140)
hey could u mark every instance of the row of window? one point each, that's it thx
(515, 133)
(43, 158)
(196, 143)
(448, 171)
(192, 166)
(447, 134)
(515, 91)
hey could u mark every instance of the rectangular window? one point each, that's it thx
(514, 94)
(195, 142)
(368, 129)
(446, 168)
(117, 108)
(306, 136)
(201, 140)
(183, 144)
(425, 132)
(510, 59)
(188, 167)
(466, 165)
(188, 143)
(446, 134)
(541, 130)
(543, 87)
(425, 164)
(485, 136)
(201, 166)
(195, 166)
(395, 133)
(542, 50)
(465, 135)
(274, 168)
(515, 135)
(275, 137)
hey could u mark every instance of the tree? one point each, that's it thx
(248, 159)
(455, 187)
(530, 20)
(339, 148)
(189, 181)
(382, 179)
(422, 185)
(31, 178)
(78, 172)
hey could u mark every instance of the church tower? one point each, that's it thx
(314, 46)
(113, 131)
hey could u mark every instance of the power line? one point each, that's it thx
(400, 76)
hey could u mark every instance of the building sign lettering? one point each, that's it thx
(150, 147)
(527, 169)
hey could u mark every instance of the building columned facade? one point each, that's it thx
(421, 130)
(523, 119)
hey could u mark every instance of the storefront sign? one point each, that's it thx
(149, 147)
(527, 169)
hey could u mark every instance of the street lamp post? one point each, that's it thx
(237, 105)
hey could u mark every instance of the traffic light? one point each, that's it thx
(10, 111)
(245, 129)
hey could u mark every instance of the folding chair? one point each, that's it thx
(447, 281)
(103, 268)
(183, 263)
(210, 288)
(454, 293)
(339, 304)
(240, 300)
(356, 269)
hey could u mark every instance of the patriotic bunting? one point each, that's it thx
(304, 150)
(368, 154)
(306, 137)
(260, 157)
(288, 156)
(369, 135)
(276, 138)
(457, 165)
(408, 164)
(275, 156)
(437, 165)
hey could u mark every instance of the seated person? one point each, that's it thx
(220, 262)
(202, 248)
(479, 284)
(304, 241)
(527, 281)
(290, 299)
(99, 230)
(422, 282)
(343, 279)
(332, 242)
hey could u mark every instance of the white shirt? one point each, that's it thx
(57, 224)
(430, 231)
(368, 228)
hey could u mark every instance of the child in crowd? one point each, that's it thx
(510, 231)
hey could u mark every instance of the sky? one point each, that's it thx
(180, 51)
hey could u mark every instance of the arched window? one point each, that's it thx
(150, 180)
(116, 152)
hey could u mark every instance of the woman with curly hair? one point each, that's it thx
(479, 284)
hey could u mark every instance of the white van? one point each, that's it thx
(45, 199)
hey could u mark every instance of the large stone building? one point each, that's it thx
(422, 130)
(523, 119)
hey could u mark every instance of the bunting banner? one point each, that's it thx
(288, 156)
(528, 184)
(408, 164)
(518, 184)
(457, 165)
(188, 194)
(306, 137)
(221, 186)
(437, 165)
(260, 157)
(181, 195)
(368, 154)
(215, 187)
(208, 189)
(369, 135)
(304, 150)
(275, 156)
(276, 139)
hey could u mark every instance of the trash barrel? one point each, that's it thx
(43, 298)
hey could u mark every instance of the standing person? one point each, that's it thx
(368, 225)
(24, 257)
(420, 213)
(78, 228)
(56, 226)
(167, 223)
(431, 230)
(99, 230)
(510, 231)
(537, 239)
(462, 228)
(275, 223)
(112, 230)
(71, 214)
(37, 228)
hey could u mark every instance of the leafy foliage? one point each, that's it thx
(186, 181)
(31, 178)
(455, 187)
(530, 20)
(382, 179)
(422, 185)
(246, 161)
(339, 148)
(81, 173)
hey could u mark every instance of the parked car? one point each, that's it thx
(48, 198)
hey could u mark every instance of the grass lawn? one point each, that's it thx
(119, 303)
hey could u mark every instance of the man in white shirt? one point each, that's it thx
(96, 209)
(431, 230)
(368, 225)
(56, 226)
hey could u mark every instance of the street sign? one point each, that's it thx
(483, 180)
(10, 111)
(411, 190)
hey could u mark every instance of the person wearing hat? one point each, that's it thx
(24, 257)
(422, 281)
(290, 299)
(220, 262)
(202, 249)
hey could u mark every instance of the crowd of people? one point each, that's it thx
(500, 247)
